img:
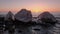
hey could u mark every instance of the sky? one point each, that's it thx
(36, 6)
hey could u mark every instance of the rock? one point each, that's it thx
(47, 18)
(9, 15)
(24, 15)
(9, 21)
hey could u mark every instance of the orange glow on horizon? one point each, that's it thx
(33, 9)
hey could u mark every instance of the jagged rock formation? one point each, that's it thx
(9, 16)
(24, 15)
(47, 18)
(37, 27)
(9, 22)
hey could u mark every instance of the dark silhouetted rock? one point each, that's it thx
(9, 22)
(47, 18)
(9, 16)
(24, 15)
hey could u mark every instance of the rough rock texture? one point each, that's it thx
(9, 15)
(24, 15)
(47, 17)
(9, 22)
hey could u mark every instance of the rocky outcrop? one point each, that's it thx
(47, 18)
(9, 16)
(9, 22)
(24, 15)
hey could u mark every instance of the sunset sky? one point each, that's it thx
(36, 6)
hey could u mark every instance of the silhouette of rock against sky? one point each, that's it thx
(24, 15)
(9, 15)
(47, 18)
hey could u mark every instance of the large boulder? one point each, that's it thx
(22, 19)
(24, 15)
(47, 18)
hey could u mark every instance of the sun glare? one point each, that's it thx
(36, 10)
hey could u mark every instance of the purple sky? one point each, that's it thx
(36, 6)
